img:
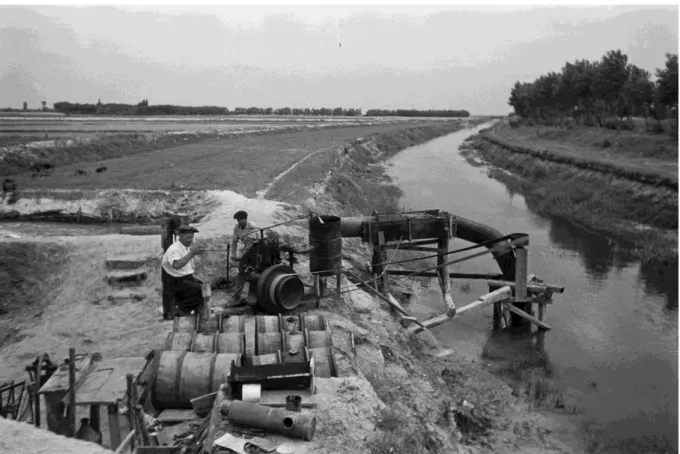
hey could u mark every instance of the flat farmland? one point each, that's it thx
(245, 164)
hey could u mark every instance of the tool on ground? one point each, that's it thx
(278, 420)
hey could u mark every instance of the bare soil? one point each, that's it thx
(398, 398)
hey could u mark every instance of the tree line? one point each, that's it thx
(144, 108)
(602, 93)
(416, 113)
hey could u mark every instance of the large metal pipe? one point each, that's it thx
(474, 232)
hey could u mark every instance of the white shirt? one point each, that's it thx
(244, 236)
(176, 252)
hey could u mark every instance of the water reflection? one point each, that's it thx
(662, 280)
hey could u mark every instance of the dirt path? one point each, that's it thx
(261, 194)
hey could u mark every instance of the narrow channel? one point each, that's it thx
(613, 343)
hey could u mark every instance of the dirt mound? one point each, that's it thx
(22, 438)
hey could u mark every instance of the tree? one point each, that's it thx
(667, 82)
(638, 93)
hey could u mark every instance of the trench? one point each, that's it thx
(613, 347)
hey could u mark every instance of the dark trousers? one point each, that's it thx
(187, 291)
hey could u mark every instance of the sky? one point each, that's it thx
(352, 56)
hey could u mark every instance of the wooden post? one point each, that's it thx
(114, 426)
(443, 271)
(72, 392)
(378, 260)
(322, 287)
(337, 282)
(131, 406)
(521, 275)
(36, 396)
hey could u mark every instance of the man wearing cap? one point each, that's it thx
(178, 263)
(245, 232)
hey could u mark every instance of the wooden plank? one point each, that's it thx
(106, 383)
(531, 288)
(58, 382)
(277, 398)
(489, 298)
(203, 404)
(523, 314)
(71, 392)
(176, 415)
(126, 443)
(484, 276)
(521, 270)
(114, 425)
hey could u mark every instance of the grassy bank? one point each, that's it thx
(636, 156)
(643, 215)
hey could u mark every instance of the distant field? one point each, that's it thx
(246, 164)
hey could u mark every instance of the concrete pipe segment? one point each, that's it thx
(279, 289)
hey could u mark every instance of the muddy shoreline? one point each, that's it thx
(643, 217)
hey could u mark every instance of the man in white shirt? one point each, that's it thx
(247, 233)
(178, 263)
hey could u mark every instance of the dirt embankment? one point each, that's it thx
(599, 193)
(398, 397)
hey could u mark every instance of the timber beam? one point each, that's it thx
(531, 288)
(483, 276)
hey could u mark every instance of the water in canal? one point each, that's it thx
(614, 338)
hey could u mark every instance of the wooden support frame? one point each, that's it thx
(524, 315)
(482, 276)
(531, 288)
(484, 300)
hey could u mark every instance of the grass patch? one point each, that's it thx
(399, 437)
(28, 272)
(600, 202)
(616, 153)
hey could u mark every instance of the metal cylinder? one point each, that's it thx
(179, 341)
(352, 227)
(268, 343)
(233, 324)
(286, 290)
(208, 326)
(278, 420)
(326, 239)
(203, 343)
(267, 324)
(230, 343)
(183, 376)
(294, 403)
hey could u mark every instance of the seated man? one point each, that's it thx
(248, 234)
(178, 263)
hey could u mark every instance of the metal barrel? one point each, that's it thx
(179, 341)
(268, 343)
(267, 324)
(313, 322)
(183, 376)
(230, 343)
(294, 347)
(208, 326)
(203, 343)
(326, 239)
(232, 324)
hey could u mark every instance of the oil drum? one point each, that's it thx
(268, 343)
(267, 324)
(203, 343)
(183, 376)
(232, 324)
(326, 239)
(208, 326)
(230, 343)
(179, 341)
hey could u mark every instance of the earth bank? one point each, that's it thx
(396, 397)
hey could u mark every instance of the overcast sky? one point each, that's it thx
(438, 57)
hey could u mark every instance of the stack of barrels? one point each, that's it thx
(290, 339)
(197, 359)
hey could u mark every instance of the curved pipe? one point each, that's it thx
(467, 230)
